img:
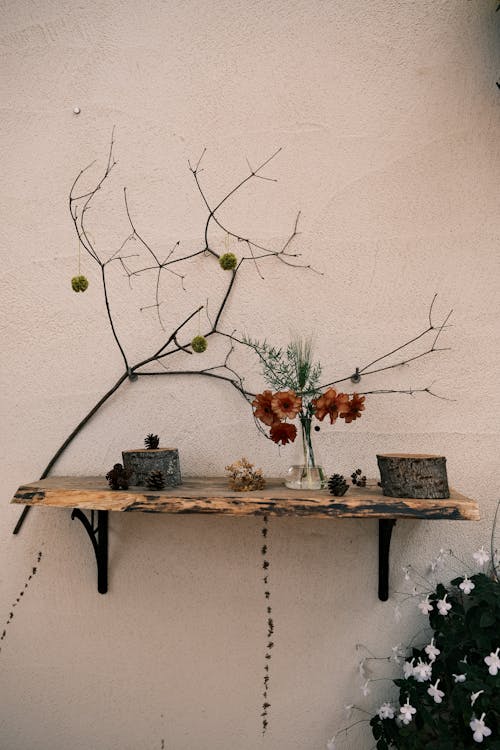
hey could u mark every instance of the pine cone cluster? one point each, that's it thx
(151, 441)
(118, 477)
(358, 478)
(155, 480)
(337, 485)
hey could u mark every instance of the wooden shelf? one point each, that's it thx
(212, 496)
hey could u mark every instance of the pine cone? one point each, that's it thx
(155, 480)
(337, 485)
(151, 441)
(118, 477)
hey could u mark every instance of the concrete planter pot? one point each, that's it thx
(143, 461)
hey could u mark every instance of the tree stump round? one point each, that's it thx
(143, 461)
(413, 475)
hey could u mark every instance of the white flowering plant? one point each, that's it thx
(450, 690)
(448, 695)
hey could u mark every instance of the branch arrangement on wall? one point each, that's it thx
(161, 360)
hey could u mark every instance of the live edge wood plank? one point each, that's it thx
(212, 496)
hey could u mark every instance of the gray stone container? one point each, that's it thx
(143, 461)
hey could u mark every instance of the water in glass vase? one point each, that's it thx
(306, 473)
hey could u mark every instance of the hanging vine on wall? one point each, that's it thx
(269, 623)
(19, 598)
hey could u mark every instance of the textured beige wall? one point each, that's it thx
(388, 115)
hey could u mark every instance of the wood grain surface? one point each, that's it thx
(212, 495)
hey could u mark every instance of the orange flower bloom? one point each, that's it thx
(354, 408)
(331, 403)
(264, 409)
(283, 432)
(286, 404)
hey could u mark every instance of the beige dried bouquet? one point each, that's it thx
(243, 477)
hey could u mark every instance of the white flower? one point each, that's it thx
(386, 711)
(481, 556)
(467, 585)
(408, 669)
(460, 677)
(479, 728)
(438, 560)
(363, 672)
(443, 606)
(406, 712)
(422, 672)
(397, 653)
(493, 662)
(425, 606)
(435, 693)
(475, 696)
(348, 710)
(365, 689)
(431, 651)
(330, 745)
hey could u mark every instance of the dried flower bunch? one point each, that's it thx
(243, 477)
(295, 378)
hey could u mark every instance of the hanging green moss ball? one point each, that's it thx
(79, 283)
(199, 344)
(228, 261)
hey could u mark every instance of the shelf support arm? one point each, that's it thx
(385, 527)
(98, 535)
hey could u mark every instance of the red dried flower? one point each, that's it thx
(331, 403)
(286, 404)
(354, 408)
(283, 432)
(263, 408)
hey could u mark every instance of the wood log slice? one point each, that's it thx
(143, 461)
(413, 475)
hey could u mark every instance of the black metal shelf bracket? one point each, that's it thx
(98, 534)
(385, 527)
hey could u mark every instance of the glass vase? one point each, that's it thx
(306, 473)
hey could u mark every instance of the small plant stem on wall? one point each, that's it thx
(18, 600)
(269, 624)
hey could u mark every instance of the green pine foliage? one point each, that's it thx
(292, 368)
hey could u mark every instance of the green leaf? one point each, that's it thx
(487, 619)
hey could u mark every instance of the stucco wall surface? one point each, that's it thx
(387, 113)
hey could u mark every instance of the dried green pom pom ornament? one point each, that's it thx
(199, 344)
(228, 261)
(79, 283)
